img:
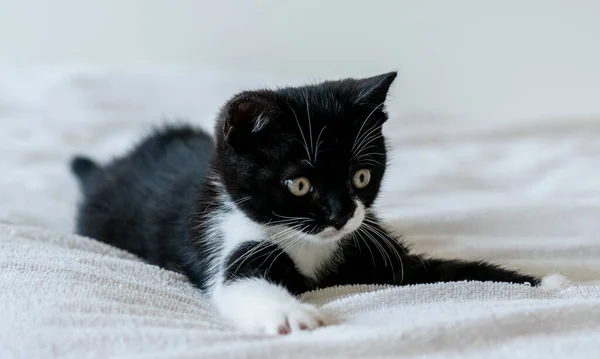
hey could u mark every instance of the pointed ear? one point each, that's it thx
(373, 91)
(247, 114)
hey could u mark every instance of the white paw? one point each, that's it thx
(554, 282)
(280, 318)
(257, 306)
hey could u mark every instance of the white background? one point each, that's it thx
(494, 128)
(494, 145)
(461, 59)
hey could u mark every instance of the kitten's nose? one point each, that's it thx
(339, 212)
(338, 221)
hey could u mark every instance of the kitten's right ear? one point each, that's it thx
(374, 90)
(247, 114)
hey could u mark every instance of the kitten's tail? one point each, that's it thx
(83, 168)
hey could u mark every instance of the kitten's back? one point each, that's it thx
(135, 201)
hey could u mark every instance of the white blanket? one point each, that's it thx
(525, 194)
(71, 297)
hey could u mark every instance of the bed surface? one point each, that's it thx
(523, 193)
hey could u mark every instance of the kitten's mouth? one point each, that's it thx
(330, 234)
(327, 235)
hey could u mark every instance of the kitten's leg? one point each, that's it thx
(439, 270)
(255, 292)
(389, 262)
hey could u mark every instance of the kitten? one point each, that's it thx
(278, 205)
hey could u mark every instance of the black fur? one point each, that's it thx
(156, 201)
(266, 261)
(82, 167)
(144, 202)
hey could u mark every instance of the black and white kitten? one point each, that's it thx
(278, 205)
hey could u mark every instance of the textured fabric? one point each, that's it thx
(71, 297)
(522, 193)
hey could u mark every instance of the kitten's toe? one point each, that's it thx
(282, 319)
(306, 317)
(284, 328)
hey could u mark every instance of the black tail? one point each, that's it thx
(83, 168)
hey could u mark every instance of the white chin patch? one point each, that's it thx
(331, 234)
(310, 258)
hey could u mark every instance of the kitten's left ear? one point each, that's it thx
(373, 91)
(246, 114)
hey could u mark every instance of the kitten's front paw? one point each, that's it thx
(258, 306)
(281, 318)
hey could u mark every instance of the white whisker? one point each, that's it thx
(287, 217)
(388, 242)
(242, 200)
(289, 245)
(370, 154)
(367, 142)
(371, 162)
(361, 127)
(368, 138)
(379, 247)
(301, 132)
(318, 143)
(309, 123)
(373, 222)
(259, 246)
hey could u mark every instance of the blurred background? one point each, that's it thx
(466, 59)
(494, 146)
(495, 115)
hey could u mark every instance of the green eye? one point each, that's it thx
(361, 178)
(298, 186)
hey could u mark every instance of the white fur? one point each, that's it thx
(310, 258)
(255, 305)
(236, 228)
(554, 282)
(308, 254)
(260, 123)
(229, 227)
(313, 252)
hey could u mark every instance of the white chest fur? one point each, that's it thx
(309, 256)
(236, 228)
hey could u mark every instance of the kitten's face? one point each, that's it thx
(310, 159)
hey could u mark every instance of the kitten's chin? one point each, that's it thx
(330, 235)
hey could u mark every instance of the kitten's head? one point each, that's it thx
(308, 158)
